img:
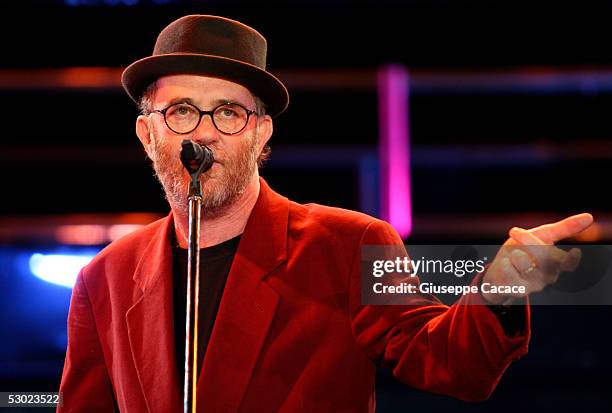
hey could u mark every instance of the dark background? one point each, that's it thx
(503, 155)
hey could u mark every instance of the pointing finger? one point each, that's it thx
(565, 228)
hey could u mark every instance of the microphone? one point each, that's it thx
(196, 158)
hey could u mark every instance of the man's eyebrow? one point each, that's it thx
(181, 100)
(218, 102)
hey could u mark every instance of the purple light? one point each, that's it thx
(394, 148)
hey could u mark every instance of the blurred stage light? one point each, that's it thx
(394, 148)
(116, 2)
(85, 234)
(59, 269)
(82, 234)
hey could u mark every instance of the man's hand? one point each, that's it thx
(529, 258)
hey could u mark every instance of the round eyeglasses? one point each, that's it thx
(228, 118)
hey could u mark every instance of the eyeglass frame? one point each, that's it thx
(206, 112)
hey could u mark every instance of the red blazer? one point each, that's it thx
(290, 334)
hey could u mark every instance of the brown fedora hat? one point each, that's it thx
(209, 46)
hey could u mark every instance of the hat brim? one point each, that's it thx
(140, 74)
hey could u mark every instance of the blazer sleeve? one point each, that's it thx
(85, 384)
(460, 351)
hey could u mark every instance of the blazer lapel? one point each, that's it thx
(247, 308)
(149, 323)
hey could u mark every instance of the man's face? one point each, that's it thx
(235, 155)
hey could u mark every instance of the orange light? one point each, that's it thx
(82, 234)
(591, 234)
(120, 230)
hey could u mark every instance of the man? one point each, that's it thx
(283, 328)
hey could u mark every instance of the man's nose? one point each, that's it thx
(206, 132)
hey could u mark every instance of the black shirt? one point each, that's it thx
(215, 264)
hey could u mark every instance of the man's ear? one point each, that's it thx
(143, 131)
(264, 131)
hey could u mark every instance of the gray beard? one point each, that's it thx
(218, 194)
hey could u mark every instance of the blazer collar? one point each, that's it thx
(264, 241)
(150, 323)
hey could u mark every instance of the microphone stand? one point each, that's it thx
(197, 160)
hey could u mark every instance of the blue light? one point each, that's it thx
(59, 269)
